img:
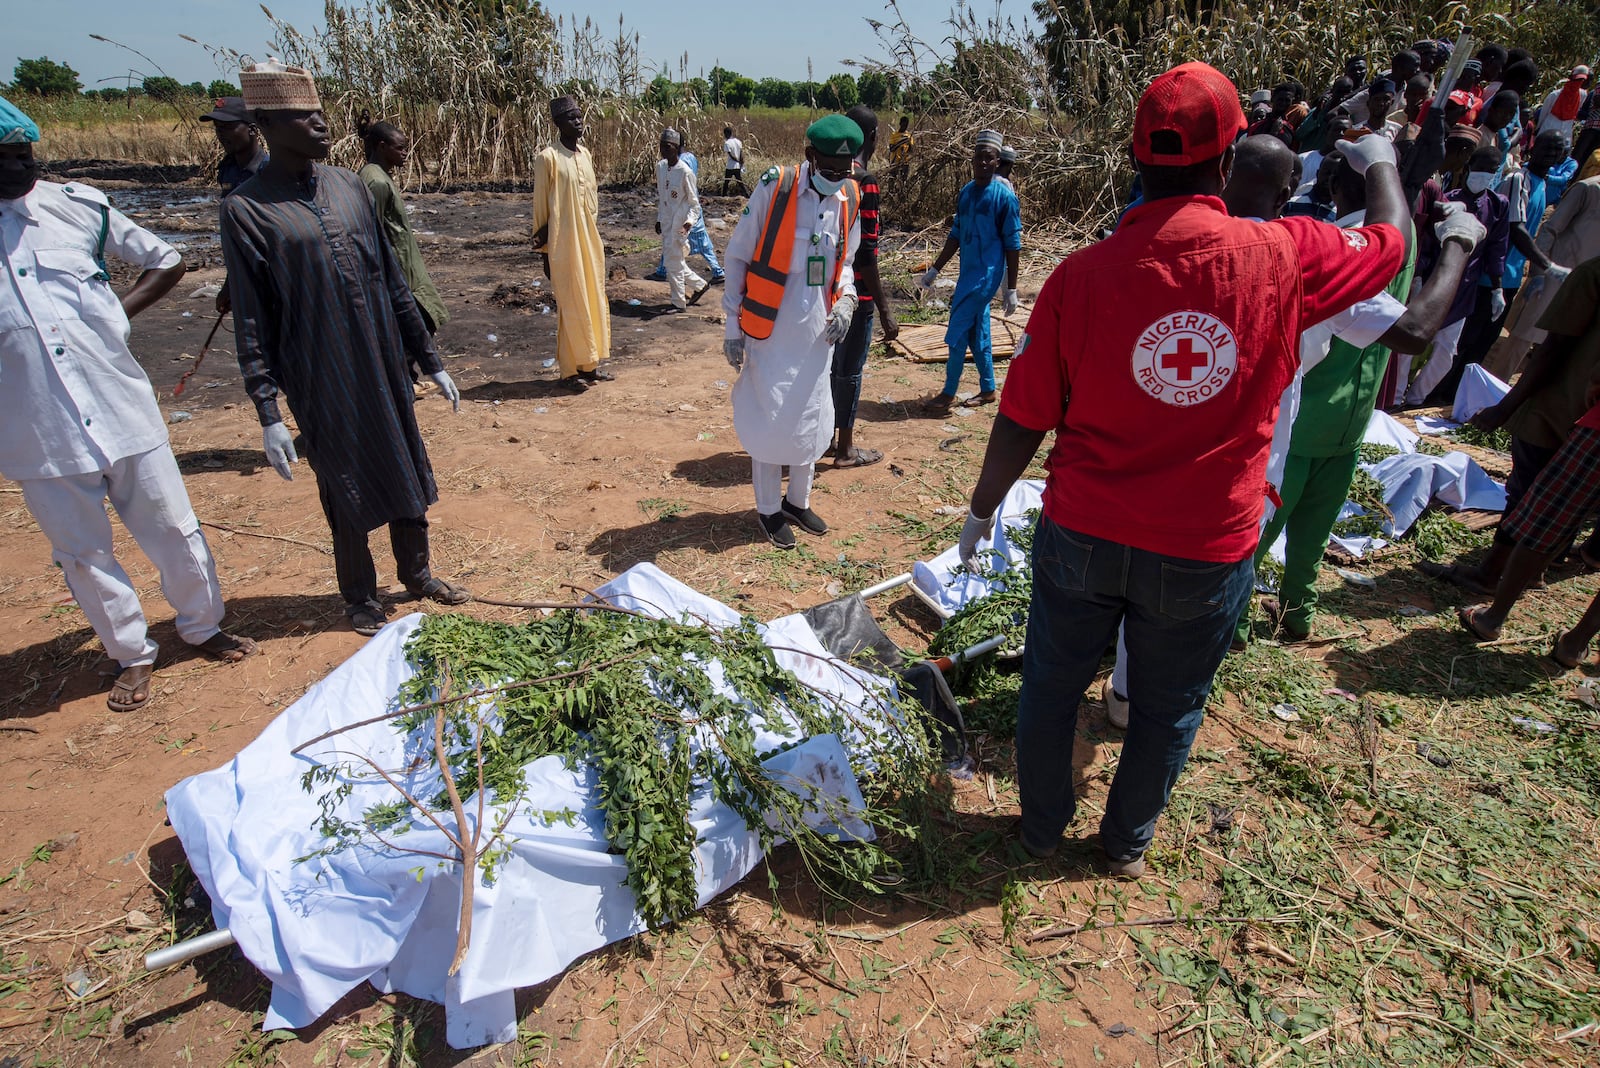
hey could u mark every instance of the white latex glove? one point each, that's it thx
(1373, 148)
(1497, 303)
(974, 530)
(279, 446)
(733, 351)
(1009, 302)
(928, 277)
(1462, 226)
(844, 309)
(448, 388)
(1556, 273)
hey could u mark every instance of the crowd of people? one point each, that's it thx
(1207, 371)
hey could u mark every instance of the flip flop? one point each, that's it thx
(1468, 618)
(1555, 653)
(599, 374)
(978, 400)
(938, 405)
(573, 384)
(132, 689)
(860, 458)
(225, 648)
(1453, 574)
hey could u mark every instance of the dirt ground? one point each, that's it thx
(538, 489)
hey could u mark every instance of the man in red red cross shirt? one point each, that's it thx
(1158, 356)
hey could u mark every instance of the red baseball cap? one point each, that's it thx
(1188, 115)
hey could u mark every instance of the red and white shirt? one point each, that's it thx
(1158, 357)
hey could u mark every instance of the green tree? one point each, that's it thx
(160, 87)
(808, 94)
(739, 92)
(839, 93)
(663, 93)
(195, 89)
(775, 93)
(701, 90)
(107, 94)
(720, 78)
(44, 77)
(878, 88)
(220, 88)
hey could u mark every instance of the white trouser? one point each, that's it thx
(675, 251)
(147, 492)
(768, 479)
(1119, 674)
(1438, 365)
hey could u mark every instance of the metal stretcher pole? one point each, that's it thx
(187, 950)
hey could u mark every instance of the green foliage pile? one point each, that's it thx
(1494, 440)
(1004, 610)
(631, 696)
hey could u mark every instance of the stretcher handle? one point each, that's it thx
(188, 949)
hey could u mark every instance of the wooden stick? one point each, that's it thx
(1149, 921)
(268, 537)
(467, 843)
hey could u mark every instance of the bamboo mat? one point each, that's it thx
(924, 343)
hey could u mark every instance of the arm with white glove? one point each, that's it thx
(1554, 273)
(1458, 233)
(733, 351)
(1497, 302)
(279, 446)
(952, 245)
(975, 529)
(1373, 158)
(1009, 302)
(448, 387)
(844, 310)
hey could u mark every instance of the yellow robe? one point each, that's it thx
(566, 197)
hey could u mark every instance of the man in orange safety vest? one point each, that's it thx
(789, 299)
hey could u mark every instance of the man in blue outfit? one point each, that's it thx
(988, 233)
(699, 239)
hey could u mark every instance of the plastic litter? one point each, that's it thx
(1287, 713)
(491, 337)
(551, 362)
(1538, 726)
(179, 417)
(1355, 578)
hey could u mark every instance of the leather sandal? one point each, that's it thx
(226, 648)
(437, 589)
(131, 690)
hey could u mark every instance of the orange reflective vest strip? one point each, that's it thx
(769, 269)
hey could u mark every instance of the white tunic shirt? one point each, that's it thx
(782, 402)
(72, 398)
(677, 203)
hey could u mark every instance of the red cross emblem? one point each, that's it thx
(1185, 358)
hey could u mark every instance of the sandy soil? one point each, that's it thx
(538, 489)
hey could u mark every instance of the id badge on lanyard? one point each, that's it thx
(816, 266)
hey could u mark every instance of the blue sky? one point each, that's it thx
(756, 37)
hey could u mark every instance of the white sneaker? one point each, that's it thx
(1116, 706)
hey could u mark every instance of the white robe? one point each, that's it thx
(782, 402)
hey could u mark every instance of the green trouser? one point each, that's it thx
(1314, 490)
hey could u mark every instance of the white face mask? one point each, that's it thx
(1478, 181)
(824, 187)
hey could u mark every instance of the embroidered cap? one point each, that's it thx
(271, 86)
(669, 136)
(1188, 115)
(15, 127)
(991, 138)
(1008, 154)
(835, 135)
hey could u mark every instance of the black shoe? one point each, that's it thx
(809, 521)
(776, 528)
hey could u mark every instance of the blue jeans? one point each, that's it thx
(849, 360)
(1178, 618)
(699, 245)
(974, 335)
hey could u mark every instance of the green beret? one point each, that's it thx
(835, 135)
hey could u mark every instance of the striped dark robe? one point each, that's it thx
(322, 311)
